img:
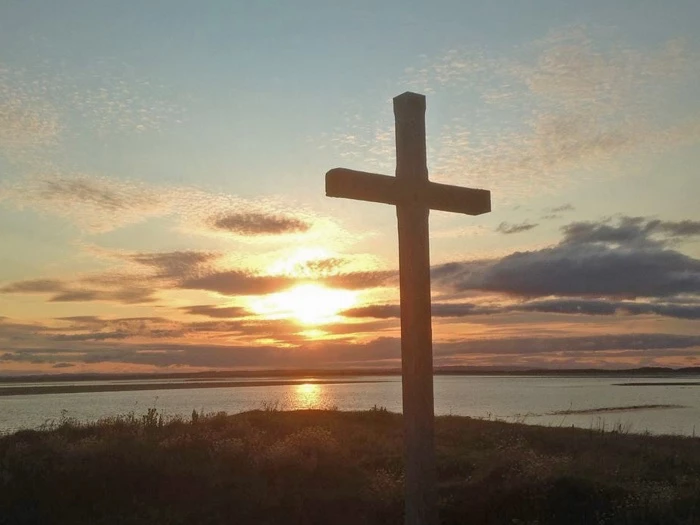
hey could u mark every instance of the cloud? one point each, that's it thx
(34, 286)
(508, 228)
(685, 228)
(166, 270)
(96, 204)
(93, 328)
(383, 351)
(631, 231)
(217, 312)
(319, 267)
(556, 211)
(593, 260)
(81, 319)
(377, 311)
(679, 311)
(186, 269)
(562, 208)
(578, 101)
(238, 282)
(193, 270)
(125, 295)
(175, 265)
(566, 306)
(258, 224)
(123, 290)
(595, 343)
(105, 97)
(24, 127)
(519, 164)
(573, 270)
(361, 280)
(628, 257)
(82, 331)
(393, 311)
(575, 69)
(99, 336)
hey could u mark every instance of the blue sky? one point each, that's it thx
(152, 154)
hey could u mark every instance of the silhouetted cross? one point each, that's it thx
(414, 196)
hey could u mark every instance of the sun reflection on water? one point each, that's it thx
(308, 395)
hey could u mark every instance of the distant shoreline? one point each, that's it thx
(664, 383)
(78, 389)
(647, 372)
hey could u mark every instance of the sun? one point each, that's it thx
(310, 304)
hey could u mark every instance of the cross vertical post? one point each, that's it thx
(416, 330)
(414, 195)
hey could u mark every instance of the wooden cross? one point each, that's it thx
(414, 196)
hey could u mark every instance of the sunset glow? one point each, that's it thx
(309, 304)
(163, 202)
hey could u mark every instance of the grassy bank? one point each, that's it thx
(330, 467)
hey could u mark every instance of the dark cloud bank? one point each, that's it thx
(630, 258)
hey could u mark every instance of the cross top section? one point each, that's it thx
(410, 186)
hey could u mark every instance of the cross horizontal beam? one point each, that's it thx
(360, 185)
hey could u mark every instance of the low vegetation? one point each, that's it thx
(332, 467)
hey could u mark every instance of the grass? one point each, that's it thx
(332, 467)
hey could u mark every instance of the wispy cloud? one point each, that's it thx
(556, 211)
(508, 228)
(96, 204)
(124, 290)
(99, 204)
(574, 101)
(41, 105)
(22, 127)
(216, 312)
(34, 286)
(106, 95)
(138, 280)
(562, 208)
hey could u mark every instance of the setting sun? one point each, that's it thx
(309, 304)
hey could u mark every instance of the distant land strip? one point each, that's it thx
(641, 373)
(665, 383)
(76, 389)
(603, 410)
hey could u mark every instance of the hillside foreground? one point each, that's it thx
(333, 467)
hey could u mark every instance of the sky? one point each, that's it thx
(162, 203)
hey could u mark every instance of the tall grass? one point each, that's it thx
(332, 467)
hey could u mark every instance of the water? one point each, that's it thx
(529, 400)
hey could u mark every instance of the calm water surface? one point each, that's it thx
(530, 400)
